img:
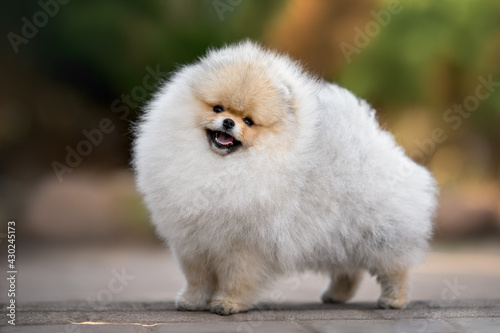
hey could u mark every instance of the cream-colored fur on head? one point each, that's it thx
(316, 183)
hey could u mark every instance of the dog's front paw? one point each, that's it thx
(392, 303)
(225, 307)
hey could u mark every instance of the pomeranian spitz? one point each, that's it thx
(253, 169)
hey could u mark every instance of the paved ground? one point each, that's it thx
(457, 316)
(131, 289)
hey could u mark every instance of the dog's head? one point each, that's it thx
(240, 104)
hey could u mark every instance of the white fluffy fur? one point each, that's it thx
(342, 196)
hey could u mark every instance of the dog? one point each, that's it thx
(253, 169)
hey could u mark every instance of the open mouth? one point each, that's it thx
(223, 141)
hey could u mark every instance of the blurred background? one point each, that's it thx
(75, 74)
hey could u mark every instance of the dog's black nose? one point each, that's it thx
(228, 123)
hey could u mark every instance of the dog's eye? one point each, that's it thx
(248, 121)
(218, 109)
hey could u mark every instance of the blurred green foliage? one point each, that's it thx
(104, 46)
(430, 55)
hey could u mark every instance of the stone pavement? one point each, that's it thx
(131, 289)
(137, 317)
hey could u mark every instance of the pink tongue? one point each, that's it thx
(224, 139)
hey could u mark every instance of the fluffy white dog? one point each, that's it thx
(252, 169)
